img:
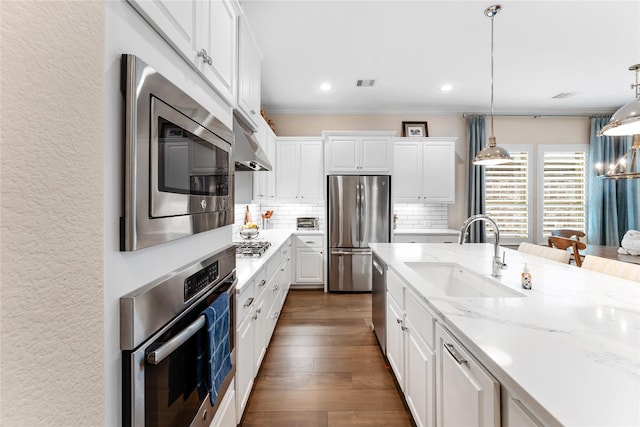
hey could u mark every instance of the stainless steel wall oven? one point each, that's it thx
(179, 163)
(162, 337)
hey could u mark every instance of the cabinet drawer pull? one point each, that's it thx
(276, 314)
(262, 283)
(454, 353)
(258, 311)
(399, 321)
(249, 302)
(276, 287)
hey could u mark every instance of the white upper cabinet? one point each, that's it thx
(358, 152)
(217, 39)
(203, 32)
(424, 170)
(299, 173)
(249, 69)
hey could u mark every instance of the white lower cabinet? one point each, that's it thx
(309, 259)
(419, 377)
(395, 339)
(259, 304)
(226, 413)
(466, 394)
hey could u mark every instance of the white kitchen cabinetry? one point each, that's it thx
(249, 69)
(264, 182)
(467, 395)
(203, 32)
(258, 306)
(409, 349)
(515, 412)
(424, 170)
(309, 259)
(299, 177)
(358, 152)
(226, 413)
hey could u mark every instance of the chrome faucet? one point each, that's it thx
(497, 264)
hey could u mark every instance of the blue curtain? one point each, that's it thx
(474, 202)
(613, 205)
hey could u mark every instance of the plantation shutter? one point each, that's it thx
(564, 189)
(506, 196)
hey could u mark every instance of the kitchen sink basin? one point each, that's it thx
(457, 281)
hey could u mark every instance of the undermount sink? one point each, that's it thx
(457, 281)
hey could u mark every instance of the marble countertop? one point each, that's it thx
(570, 346)
(246, 268)
(428, 231)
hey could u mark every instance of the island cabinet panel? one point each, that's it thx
(409, 349)
(395, 339)
(515, 413)
(466, 394)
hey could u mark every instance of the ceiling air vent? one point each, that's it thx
(365, 83)
(563, 95)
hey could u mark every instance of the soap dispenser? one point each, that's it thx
(526, 277)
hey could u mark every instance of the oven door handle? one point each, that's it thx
(162, 352)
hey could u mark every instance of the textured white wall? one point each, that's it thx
(52, 226)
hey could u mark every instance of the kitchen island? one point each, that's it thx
(569, 347)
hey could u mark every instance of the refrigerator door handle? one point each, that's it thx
(361, 203)
(351, 252)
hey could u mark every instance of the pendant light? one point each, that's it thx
(626, 121)
(492, 154)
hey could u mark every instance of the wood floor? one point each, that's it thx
(324, 368)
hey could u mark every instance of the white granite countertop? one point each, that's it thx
(247, 267)
(570, 345)
(428, 231)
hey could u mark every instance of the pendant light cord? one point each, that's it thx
(492, 16)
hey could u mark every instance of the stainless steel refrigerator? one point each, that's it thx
(359, 213)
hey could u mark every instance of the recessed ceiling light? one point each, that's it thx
(325, 87)
(446, 88)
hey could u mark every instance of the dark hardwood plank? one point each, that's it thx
(369, 419)
(324, 368)
(286, 419)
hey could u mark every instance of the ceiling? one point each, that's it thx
(412, 48)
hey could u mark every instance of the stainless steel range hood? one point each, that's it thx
(248, 154)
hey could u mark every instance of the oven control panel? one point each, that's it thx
(200, 280)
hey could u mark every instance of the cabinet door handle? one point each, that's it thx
(399, 321)
(205, 56)
(262, 283)
(276, 287)
(249, 302)
(258, 311)
(253, 112)
(454, 353)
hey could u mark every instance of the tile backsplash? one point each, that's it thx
(420, 216)
(284, 214)
(410, 215)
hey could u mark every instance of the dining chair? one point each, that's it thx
(564, 243)
(612, 267)
(545, 252)
(568, 233)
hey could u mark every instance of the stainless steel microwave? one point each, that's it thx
(178, 162)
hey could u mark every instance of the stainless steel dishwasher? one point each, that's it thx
(379, 300)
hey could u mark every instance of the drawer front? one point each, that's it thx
(309, 241)
(442, 238)
(273, 264)
(423, 320)
(409, 238)
(395, 287)
(246, 300)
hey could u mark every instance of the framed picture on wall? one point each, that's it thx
(415, 129)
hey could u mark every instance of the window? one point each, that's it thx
(563, 192)
(540, 191)
(507, 189)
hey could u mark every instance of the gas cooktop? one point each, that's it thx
(251, 249)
